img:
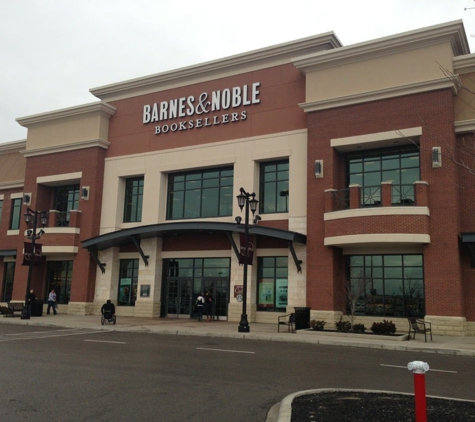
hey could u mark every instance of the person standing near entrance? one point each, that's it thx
(51, 302)
(209, 306)
(200, 303)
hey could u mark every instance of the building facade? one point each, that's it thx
(361, 158)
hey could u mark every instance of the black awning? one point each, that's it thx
(134, 235)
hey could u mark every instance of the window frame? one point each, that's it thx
(133, 199)
(15, 214)
(200, 194)
(274, 291)
(274, 191)
(381, 274)
(379, 163)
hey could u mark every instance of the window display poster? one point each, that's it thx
(281, 285)
(266, 293)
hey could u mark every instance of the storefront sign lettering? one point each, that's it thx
(218, 102)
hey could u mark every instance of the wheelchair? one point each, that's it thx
(108, 318)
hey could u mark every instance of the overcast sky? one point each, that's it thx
(53, 51)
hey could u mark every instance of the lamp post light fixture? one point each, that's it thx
(249, 201)
(32, 218)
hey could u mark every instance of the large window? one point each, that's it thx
(66, 198)
(397, 165)
(272, 283)
(199, 194)
(274, 187)
(60, 274)
(15, 214)
(133, 200)
(128, 279)
(387, 285)
(7, 288)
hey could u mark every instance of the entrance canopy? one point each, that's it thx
(135, 235)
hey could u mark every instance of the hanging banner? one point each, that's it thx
(242, 249)
(28, 257)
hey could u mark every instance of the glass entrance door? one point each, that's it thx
(178, 297)
(218, 287)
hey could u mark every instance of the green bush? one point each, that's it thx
(385, 327)
(343, 325)
(359, 328)
(317, 325)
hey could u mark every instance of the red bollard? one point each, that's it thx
(419, 369)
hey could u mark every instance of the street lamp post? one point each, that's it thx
(32, 218)
(248, 200)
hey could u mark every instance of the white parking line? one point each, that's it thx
(405, 367)
(224, 350)
(104, 341)
(37, 335)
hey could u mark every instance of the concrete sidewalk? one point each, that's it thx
(174, 326)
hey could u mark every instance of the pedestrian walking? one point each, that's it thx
(209, 306)
(51, 302)
(30, 300)
(200, 303)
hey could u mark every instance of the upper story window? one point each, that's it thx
(274, 187)
(133, 200)
(15, 215)
(397, 165)
(66, 198)
(199, 194)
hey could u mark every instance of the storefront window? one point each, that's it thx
(133, 200)
(272, 284)
(200, 194)
(59, 278)
(387, 285)
(274, 187)
(8, 274)
(128, 279)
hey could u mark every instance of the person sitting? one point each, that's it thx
(108, 310)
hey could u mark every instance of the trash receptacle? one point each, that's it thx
(302, 318)
(37, 308)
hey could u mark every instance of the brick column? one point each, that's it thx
(355, 196)
(386, 194)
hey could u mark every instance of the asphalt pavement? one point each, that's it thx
(281, 412)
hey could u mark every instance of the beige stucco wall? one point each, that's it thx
(12, 162)
(243, 154)
(378, 73)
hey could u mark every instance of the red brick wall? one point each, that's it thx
(432, 111)
(89, 161)
(282, 89)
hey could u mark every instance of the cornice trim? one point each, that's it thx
(465, 126)
(93, 143)
(464, 64)
(451, 32)
(381, 94)
(256, 59)
(103, 108)
(13, 184)
(9, 147)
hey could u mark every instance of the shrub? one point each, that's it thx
(317, 325)
(359, 328)
(343, 325)
(385, 327)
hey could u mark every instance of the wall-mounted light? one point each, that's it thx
(257, 218)
(318, 169)
(85, 193)
(238, 220)
(27, 199)
(436, 157)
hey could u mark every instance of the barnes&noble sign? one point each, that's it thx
(209, 109)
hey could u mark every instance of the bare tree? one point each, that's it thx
(356, 295)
